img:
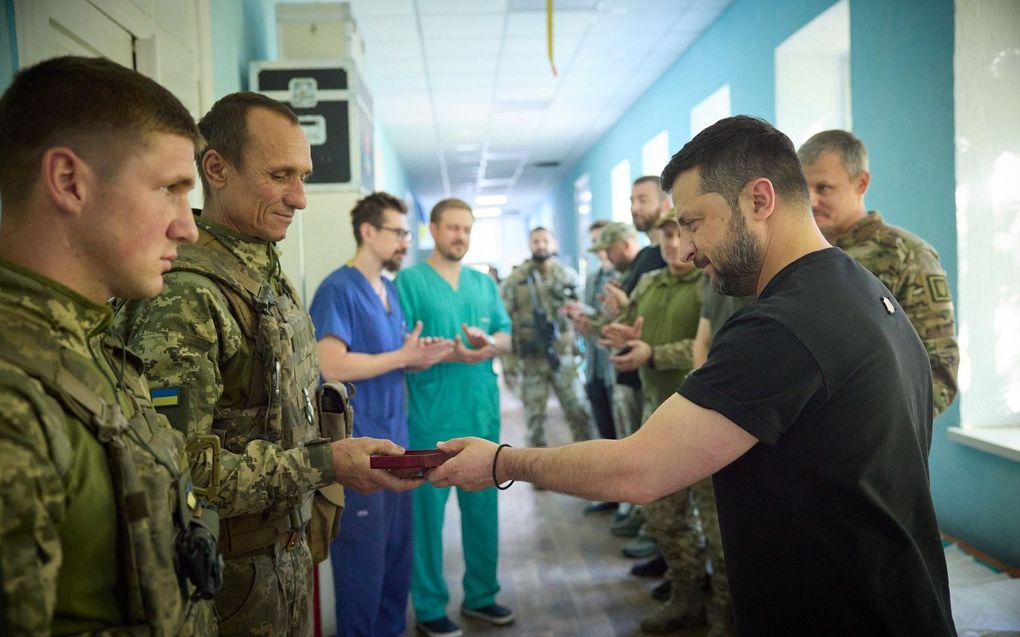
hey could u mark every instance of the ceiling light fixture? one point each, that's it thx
(486, 213)
(490, 200)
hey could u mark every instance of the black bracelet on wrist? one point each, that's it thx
(651, 360)
(495, 480)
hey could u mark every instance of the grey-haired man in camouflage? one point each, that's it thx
(836, 165)
(230, 352)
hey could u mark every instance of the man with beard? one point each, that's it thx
(363, 339)
(836, 166)
(458, 397)
(544, 345)
(813, 412)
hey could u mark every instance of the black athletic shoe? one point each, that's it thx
(493, 613)
(441, 627)
(655, 567)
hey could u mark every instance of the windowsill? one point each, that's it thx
(1001, 441)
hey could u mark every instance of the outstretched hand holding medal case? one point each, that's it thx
(413, 464)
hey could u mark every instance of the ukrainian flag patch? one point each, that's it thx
(167, 397)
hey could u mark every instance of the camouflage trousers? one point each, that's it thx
(626, 410)
(537, 378)
(685, 525)
(267, 594)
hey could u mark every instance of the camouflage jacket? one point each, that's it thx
(229, 350)
(671, 307)
(555, 284)
(910, 268)
(94, 487)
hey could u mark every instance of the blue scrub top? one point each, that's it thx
(452, 399)
(346, 307)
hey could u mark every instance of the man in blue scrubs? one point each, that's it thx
(456, 398)
(362, 338)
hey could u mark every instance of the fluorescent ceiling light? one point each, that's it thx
(487, 212)
(490, 200)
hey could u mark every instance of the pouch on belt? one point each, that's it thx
(336, 422)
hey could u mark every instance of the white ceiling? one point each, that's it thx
(465, 92)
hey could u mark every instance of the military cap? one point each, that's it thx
(612, 232)
(668, 216)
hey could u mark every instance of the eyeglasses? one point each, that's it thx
(402, 235)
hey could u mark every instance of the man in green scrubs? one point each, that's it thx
(458, 397)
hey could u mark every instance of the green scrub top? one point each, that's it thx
(452, 399)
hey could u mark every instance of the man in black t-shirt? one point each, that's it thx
(813, 412)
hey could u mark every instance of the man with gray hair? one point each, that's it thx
(836, 165)
(231, 355)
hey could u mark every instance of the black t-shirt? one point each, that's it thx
(647, 259)
(827, 522)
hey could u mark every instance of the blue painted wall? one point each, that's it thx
(395, 179)
(8, 44)
(241, 34)
(902, 107)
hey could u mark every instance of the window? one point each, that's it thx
(582, 206)
(655, 154)
(987, 232)
(619, 180)
(820, 50)
(710, 110)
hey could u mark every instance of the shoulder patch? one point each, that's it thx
(938, 288)
(165, 397)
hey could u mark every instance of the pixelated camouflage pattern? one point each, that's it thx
(555, 284)
(671, 307)
(627, 407)
(256, 607)
(62, 385)
(207, 340)
(537, 378)
(911, 269)
(686, 527)
(191, 340)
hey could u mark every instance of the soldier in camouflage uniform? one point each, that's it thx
(544, 345)
(230, 351)
(100, 531)
(836, 165)
(658, 326)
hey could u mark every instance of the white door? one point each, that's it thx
(50, 28)
(166, 40)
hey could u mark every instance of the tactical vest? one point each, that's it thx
(151, 481)
(532, 338)
(280, 406)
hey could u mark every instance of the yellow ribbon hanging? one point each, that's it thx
(549, 33)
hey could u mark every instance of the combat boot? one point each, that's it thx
(671, 617)
(686, 607)
(720, 619)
